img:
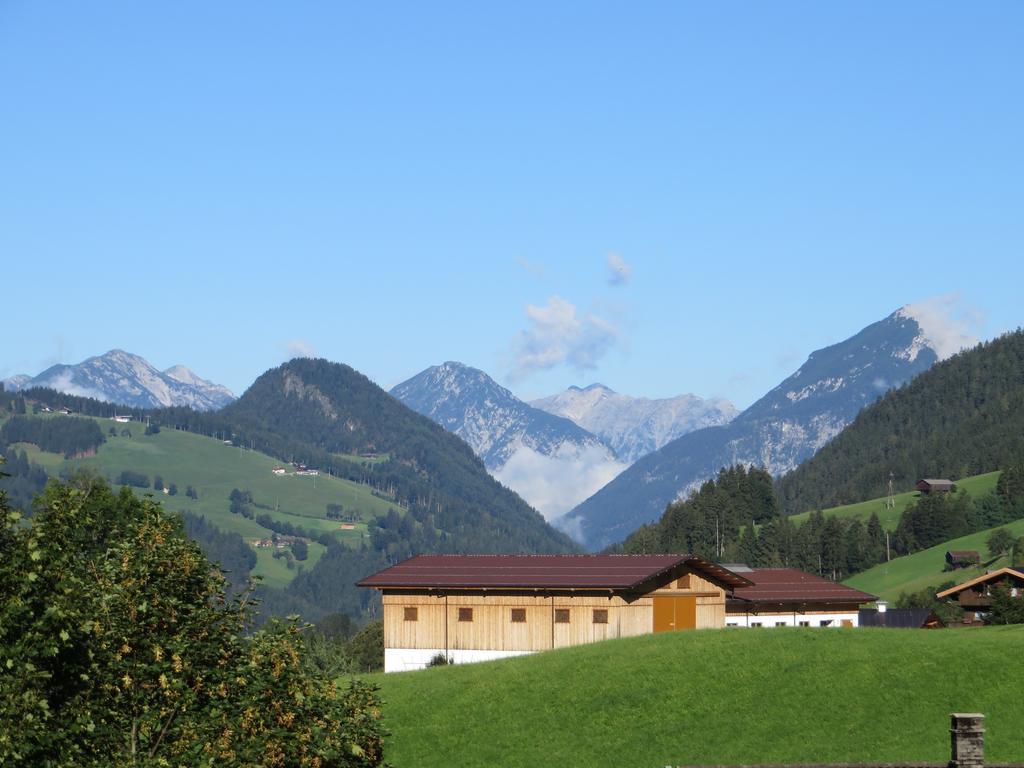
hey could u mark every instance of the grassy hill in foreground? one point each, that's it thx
(923, 569)
(714, 697)
(977, 486)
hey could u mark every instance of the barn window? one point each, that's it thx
(755, 623)
(411, 614)
(825, 623)
(600, 615)
(780, 623)
(465, 614)
(805, 623)
(561, 615)
(518, 615)
(731, 624)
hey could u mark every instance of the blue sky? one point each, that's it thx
(395, 185)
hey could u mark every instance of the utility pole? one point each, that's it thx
(890, 502)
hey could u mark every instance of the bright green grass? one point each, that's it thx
(977, 486)
(214, 469)
(714, 697)
(923, 569)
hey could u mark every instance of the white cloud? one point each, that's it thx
(62, 383)
(619, 272)
(947, 322)
(555, 484)
(299, 348)
(559, 334)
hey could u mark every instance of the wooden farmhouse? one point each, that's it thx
(786, 597)
(479, 607)
(975, 595)
(930, 485)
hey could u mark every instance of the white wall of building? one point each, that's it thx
(404, 659)
(790, 619)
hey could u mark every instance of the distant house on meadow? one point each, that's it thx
(961, 558)
(899, 618)
(480, 607)
(786, 597)
(975, 595)
(122, 419)
(65, 411)
(279, 470)
(929, 485)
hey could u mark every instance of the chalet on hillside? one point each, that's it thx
(786, 597)
(962, 558)
(975, 595)
(480, 607)
(929, 485)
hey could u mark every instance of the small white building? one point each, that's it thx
(786, 597)
(279, 471)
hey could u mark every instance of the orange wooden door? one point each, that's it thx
(664, 614)
(686, 612)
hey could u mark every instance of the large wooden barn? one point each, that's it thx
(479, 607)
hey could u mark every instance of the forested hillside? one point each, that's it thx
(964, 416)
(435, 493)
(737, 518)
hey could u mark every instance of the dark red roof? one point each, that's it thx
(788, 585)
(617, 572)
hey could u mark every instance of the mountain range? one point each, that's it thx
(490, 418)
(786, 426)
(635, 426)
(126, 379)
(550, 461)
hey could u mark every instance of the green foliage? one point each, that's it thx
(21, 480)
(367, 648)
(135, 479)
(67, 435)
(999, 542)
(964, 416)
(727, 697)
(118, 647)
(949, 612)
(1007, 608)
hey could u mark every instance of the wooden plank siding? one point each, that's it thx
(437, 622)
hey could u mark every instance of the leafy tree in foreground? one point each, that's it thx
(118, 647)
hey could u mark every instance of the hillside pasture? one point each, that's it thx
(924, 569)
(976, 486)
(214, 469)
(714, 697)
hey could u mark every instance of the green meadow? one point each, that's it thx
(714, 697)
(977, 486)
(214, 469)
(924, 569)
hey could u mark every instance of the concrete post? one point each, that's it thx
(967, 740)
